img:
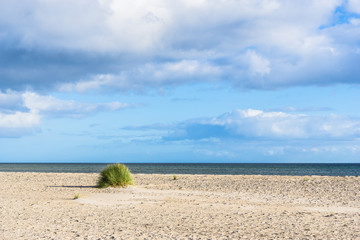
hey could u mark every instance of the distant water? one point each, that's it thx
(188, 168)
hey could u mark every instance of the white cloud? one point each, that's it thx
(271, 126)
(314, 149)
(211, 153)
(10, 101)
(20, 113)
(95, 84)
(19, 120)
(354, 6)
(256, 123)
(48, 105)
(258, 64)
(136, 45)
(251, 134)
(149, 75)
(87, 25)
(15, 119)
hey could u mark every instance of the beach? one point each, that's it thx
(43, 206)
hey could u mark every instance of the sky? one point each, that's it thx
(254, 81)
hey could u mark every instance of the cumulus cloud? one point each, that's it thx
(50, 106)
(251, 134)
(21, 113)
(258, 64)
(261, 125)
(136, 45)
(147, 76)
(19, 120)
(10, 101)
(15, 119)
(354, 6)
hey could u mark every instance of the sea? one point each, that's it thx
(291, 169)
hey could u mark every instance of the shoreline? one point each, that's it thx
(273, 169)
(41, 205)
(194, 174)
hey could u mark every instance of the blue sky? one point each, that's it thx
(180, 81)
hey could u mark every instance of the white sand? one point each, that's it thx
(41, 206)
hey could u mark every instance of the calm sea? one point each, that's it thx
(188, 168)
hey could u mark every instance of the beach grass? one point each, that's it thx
(76, 196)
(115, 175)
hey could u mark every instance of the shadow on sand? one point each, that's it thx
(72, 186)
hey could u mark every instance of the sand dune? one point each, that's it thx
(41, 206)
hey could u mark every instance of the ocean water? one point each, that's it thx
(188, 168)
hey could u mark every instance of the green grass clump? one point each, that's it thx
(115, 175)
(76, 196)
(175, 177)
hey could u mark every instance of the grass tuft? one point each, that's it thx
(174, 177)
(76, 196)
(115, 175)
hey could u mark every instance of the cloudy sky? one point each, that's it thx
(180, 81)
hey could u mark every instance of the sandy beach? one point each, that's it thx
(42, 206)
